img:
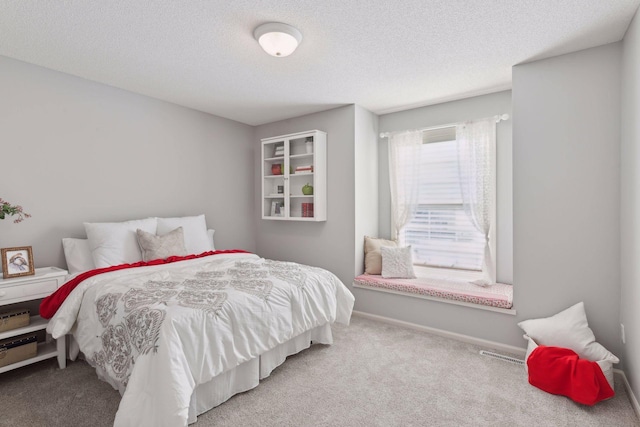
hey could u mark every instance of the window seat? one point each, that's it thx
(499, 295)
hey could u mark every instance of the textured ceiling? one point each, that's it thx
(383, 55)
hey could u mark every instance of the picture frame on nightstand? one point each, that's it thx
(17, 262)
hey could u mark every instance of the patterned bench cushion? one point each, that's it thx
(498, 295)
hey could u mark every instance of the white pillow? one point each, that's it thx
(78, 255)
(115, 243)
(568, 329)
(210, 235)
(397, 263)
(196, 238)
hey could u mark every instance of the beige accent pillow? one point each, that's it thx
(372, 256)
(161, 247)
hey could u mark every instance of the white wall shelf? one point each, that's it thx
(302, 149)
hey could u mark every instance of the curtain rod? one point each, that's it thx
(498, 119)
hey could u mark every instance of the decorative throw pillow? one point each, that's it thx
(196, 237)
(568, 329)
(115, 243)
(372, 256)
(397, 263)
(161, 247)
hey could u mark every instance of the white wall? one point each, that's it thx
(327, 244)
(566, 186)
(74, 151)
(630, 203)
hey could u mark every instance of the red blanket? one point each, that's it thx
(50, 304)
(560, 371)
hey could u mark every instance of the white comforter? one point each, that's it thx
(155, 333)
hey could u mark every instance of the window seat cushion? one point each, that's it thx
(498, 295)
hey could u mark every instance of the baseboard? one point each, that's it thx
(632, 397)
(453, 335)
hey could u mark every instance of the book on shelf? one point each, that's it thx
(302, 169)
(307, 210)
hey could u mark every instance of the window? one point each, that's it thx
(443, 194)
(441, 233)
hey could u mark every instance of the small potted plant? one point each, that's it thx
(7, 209)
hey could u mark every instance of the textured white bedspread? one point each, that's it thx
(155, 333)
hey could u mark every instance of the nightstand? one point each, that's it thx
(30, 288)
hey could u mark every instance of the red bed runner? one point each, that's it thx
(50, 304)
(560, 371)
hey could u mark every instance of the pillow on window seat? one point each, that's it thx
(397, 263)
(372, 255)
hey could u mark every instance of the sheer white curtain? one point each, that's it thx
(404, 162)
(476, 160)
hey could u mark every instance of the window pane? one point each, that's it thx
(441, 234)
(439, 176)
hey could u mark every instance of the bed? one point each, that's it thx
(182, 335)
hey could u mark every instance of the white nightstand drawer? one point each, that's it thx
(33, 290)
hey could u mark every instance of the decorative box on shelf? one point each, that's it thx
(17, 349)
(13, 319)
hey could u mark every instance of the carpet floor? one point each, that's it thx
(375, 374)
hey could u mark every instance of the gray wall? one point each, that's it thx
(329, 244)
(630, 203)
(566, 179)
(366, 181)
(75, 151)
(469, 321)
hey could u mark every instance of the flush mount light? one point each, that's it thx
(278, 39)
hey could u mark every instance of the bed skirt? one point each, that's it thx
(241, 378)
(247, 375)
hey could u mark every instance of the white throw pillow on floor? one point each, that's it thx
(568, 329)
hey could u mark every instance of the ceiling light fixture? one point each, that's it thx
(278, 39)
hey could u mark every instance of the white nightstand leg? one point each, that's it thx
(61, 345)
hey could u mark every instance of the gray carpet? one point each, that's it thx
(375, 374)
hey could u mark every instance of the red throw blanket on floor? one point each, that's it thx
(560, 371)
(52, 303)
